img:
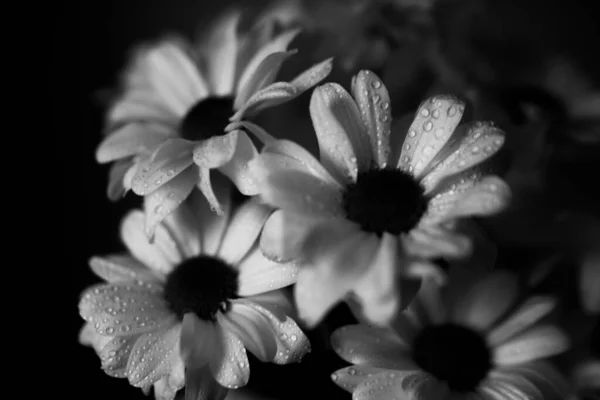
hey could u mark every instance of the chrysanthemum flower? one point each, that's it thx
(463, 343)
(183, 309)
(185, 110)
(357, 217)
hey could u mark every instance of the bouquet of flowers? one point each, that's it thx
(359, 184)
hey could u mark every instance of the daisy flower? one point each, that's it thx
(456, 344)
(184, 309)
(357, 217)
(185, 111)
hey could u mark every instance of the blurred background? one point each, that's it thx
(532, 66)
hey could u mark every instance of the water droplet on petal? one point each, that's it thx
(435, 113)
(452, 111)
(424, 112)
(412, 133)
(376, 84)
(428, 126)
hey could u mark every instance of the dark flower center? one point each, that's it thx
(207, 118)
(454, 354)
(203, 285)
(385, 200)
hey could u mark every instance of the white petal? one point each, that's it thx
(230, 366)
(374, 103)
(433, 126)
(212, 225)
(218, 46)
(350, 377)
(89, 337)
(115, 355)
(413, 384)
(544, 376)
(120, 268)
(184, 227)
(116, 188)
(427, 242)
(237, 168)
(125, 308)
(198, 341)
(487, 301)
(216, 151)
(535, 343)
(516, 385)
(526, 315)
(153, 356)
(344, 143)
(375, 347)
(161, 255)
(253, 328)
(159, 204)
(141, 105)
(258, 275)
(132, 139)
(200, 385)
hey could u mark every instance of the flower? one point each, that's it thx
(184, 309)
(365, 213)
(185, 109)
(454, 344)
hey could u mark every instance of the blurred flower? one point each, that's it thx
(587, 381)
(358, 217)
(185, 111)
(183, 309)
(456, 344)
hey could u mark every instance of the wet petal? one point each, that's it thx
(433, 126)
(413, 384)
(237, 168)
(171, 158)
(482, 141)
(343, 141)
(115, 355)
(284, 233)
(538, 342)
(89, 337)
(300, 192)
(116, 189)
(216, 151)
(277, 44)
(198, 341)
(200, 385)
(487, 301)
(161, 255)
(218, 45)
(119, 268)
(489, 196)
(164, 200)
(125, 308)
(374, 103)
(350, 377)
(230, 366)
(258, 275)
(372, 346)
(154, 355)
(336, 257)
(253, 328)
(132, 139)
(244, 227)
(526, 315)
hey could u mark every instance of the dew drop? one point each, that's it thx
(452, 111)
(376, 84)
(412, 134)
(171, 172)
(424, 112)
(385, 105)
(439, 133)
(158, 209)
(435, 113)
(428, 126)
(475, 149)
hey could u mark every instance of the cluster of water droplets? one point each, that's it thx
(431, 129)
(444, 201)
(234, 364)
(115, 355)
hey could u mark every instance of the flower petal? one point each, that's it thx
(433, 126)
(413, 384)
(258, 132)
(258, 275)
(140, 106)
(427, 242)
(544, 376)
(300, 192)
(350, 377)
(374, 103)
(283, 235)
(237, 168)
(154, 355)
(184, 228)
(89, 337)
(253, 328)
(372, 346)
(230, 367)
(115, 189)
(336, 258)
(487, 301)
(132, 139)
(277, 44)
(198, 341)
(171, 158)
(200, 385)
(482, 141)
(538, 342)
(489, 196)
(125, 308)
(344, 143)
(161, 255)
(216, 151)
(119, 268)
(115, 355)
(218, 46)
(526, 315)
(515, 384)
(164, 200)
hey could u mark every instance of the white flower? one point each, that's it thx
(457, 344)
(358, 218)
(184, 309)
(184, 111)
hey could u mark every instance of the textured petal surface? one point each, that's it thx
(374, 104)
(230, 367)
(535, 343)
(216, 151)
(89, 337)
(350, 377)
(115, 355)
(491, 195)
(544, 376)
(257, 274)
